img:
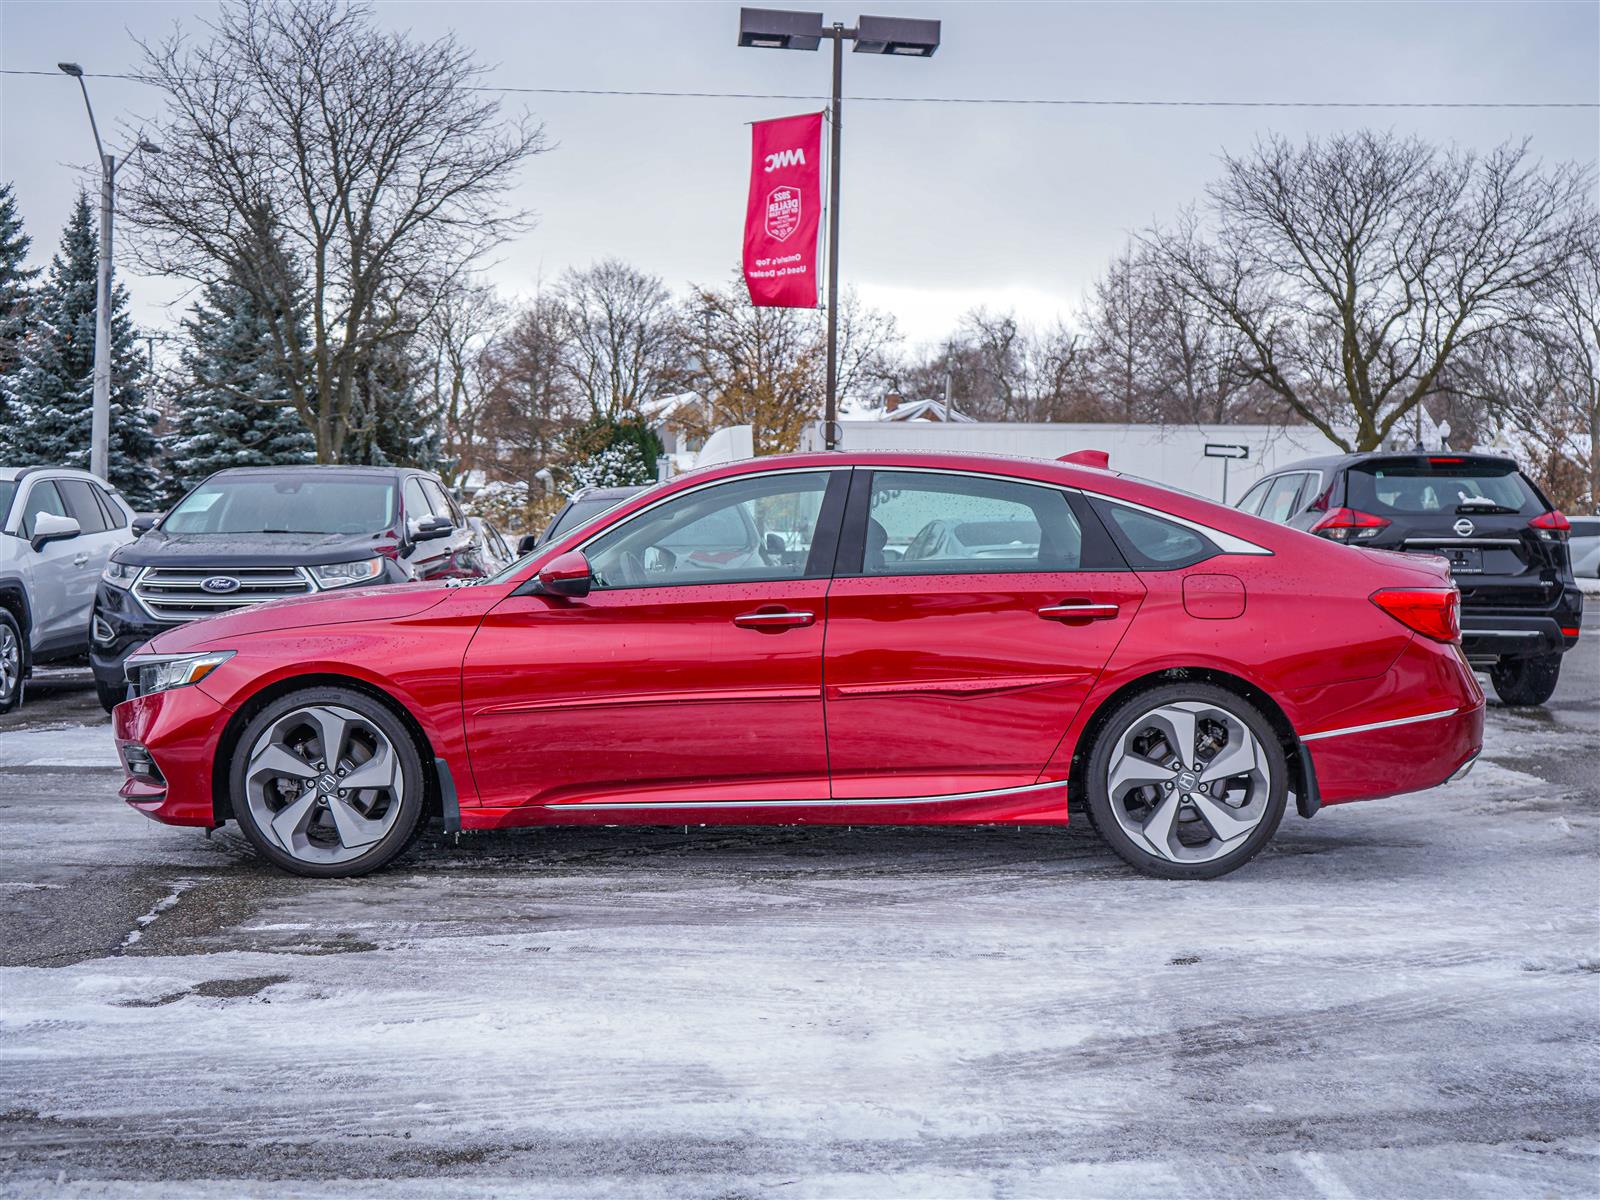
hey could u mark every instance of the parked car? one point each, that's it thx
(491, 544)
(1583, 543)
(1172, 668)
(251, 534)
(58, 527)
(1506, 545)
(585, 505)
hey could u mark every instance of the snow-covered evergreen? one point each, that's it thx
(232, 409)
(16, 279)
(50, 393)
(389, 423)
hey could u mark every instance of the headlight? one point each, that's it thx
(119, 574)
(333, 575)
(151, 673)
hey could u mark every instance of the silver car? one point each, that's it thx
(1584, 545)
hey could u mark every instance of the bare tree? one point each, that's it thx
(1357, 267)
(456, 369)
(311, 156)
(766, 367)
(1121, 318)
(1569, 302)
(623, 344)
(529, 403)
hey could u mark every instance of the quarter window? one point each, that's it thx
(743, 531)
(935, 524)
(1252, 499)
(1154, 543)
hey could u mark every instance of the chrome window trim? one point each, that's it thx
(829, 802)
(1228, 543)
(1328, 733)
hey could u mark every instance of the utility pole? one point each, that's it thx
(830, 417)
(100, 422)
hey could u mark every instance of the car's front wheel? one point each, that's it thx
(327, 782)
(1526, 681)
(10, 662)
(1187, 781)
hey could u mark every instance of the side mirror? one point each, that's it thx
(427, 529)
(566, 575)
(47, 527)
(144, 523)
(774, 544)
(526, 543)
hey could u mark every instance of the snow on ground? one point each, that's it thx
(66, 746)
(1398, 998)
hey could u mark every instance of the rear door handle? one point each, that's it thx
(774, 619)
(1079, 610)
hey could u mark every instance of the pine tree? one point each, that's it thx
(16, 280)
(51, 393)
(389, 424)
(233, 406)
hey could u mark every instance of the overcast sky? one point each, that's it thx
(945, 206)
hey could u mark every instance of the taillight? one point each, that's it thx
(1350, 525)
(1432, 612)
(1552, 526)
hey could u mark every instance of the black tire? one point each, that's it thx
(1119, 722)
(109, 696)
(16, 652)
(1521, 682)
(407, 826)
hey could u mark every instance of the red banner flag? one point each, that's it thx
(785, 208)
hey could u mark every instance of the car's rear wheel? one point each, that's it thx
(1525, 681)
(327, 782)
(1187, 781)
(10, 662)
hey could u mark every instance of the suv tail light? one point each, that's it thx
(1350, 525)
(1432, 612)
(1552, 526)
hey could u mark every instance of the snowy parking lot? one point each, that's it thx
(1398, 998)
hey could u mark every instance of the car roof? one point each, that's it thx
(608, 493)
(12, 474)
(319, 469)
(1349, 460)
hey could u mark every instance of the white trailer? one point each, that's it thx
(1171, 454)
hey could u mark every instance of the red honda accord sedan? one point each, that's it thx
(829, 639)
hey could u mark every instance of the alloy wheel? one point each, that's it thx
(324, 783)
(10, 662)
(1189, 782)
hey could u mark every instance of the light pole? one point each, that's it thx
(781, 29)
(100, 426)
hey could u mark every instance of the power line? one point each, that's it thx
(1020, 101)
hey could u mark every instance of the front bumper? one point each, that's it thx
(118, 628)
(179, 731)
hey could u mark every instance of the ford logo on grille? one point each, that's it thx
(220, 584)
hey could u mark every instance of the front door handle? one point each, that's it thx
(81, 559)
(776, 619)
(1078, 610)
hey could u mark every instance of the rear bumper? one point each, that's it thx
(1493, 632)
(1366, 764)
(178, 731)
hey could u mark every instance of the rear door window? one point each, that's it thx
(1252, 499)
(78, 494)
(1282, 499)
(939, 524)
(1440, 487)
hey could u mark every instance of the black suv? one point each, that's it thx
(1506, 546)
(252, 534)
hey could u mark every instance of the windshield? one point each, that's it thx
(8, 489)
(285, 504)
(1441, 485)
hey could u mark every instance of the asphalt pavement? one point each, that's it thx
(1398, 998)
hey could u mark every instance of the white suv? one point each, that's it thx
(58, 527)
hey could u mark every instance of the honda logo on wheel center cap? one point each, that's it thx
(1187, 781)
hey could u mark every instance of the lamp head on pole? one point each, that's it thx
(779, 29)
(897, 35)
(72, 69)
